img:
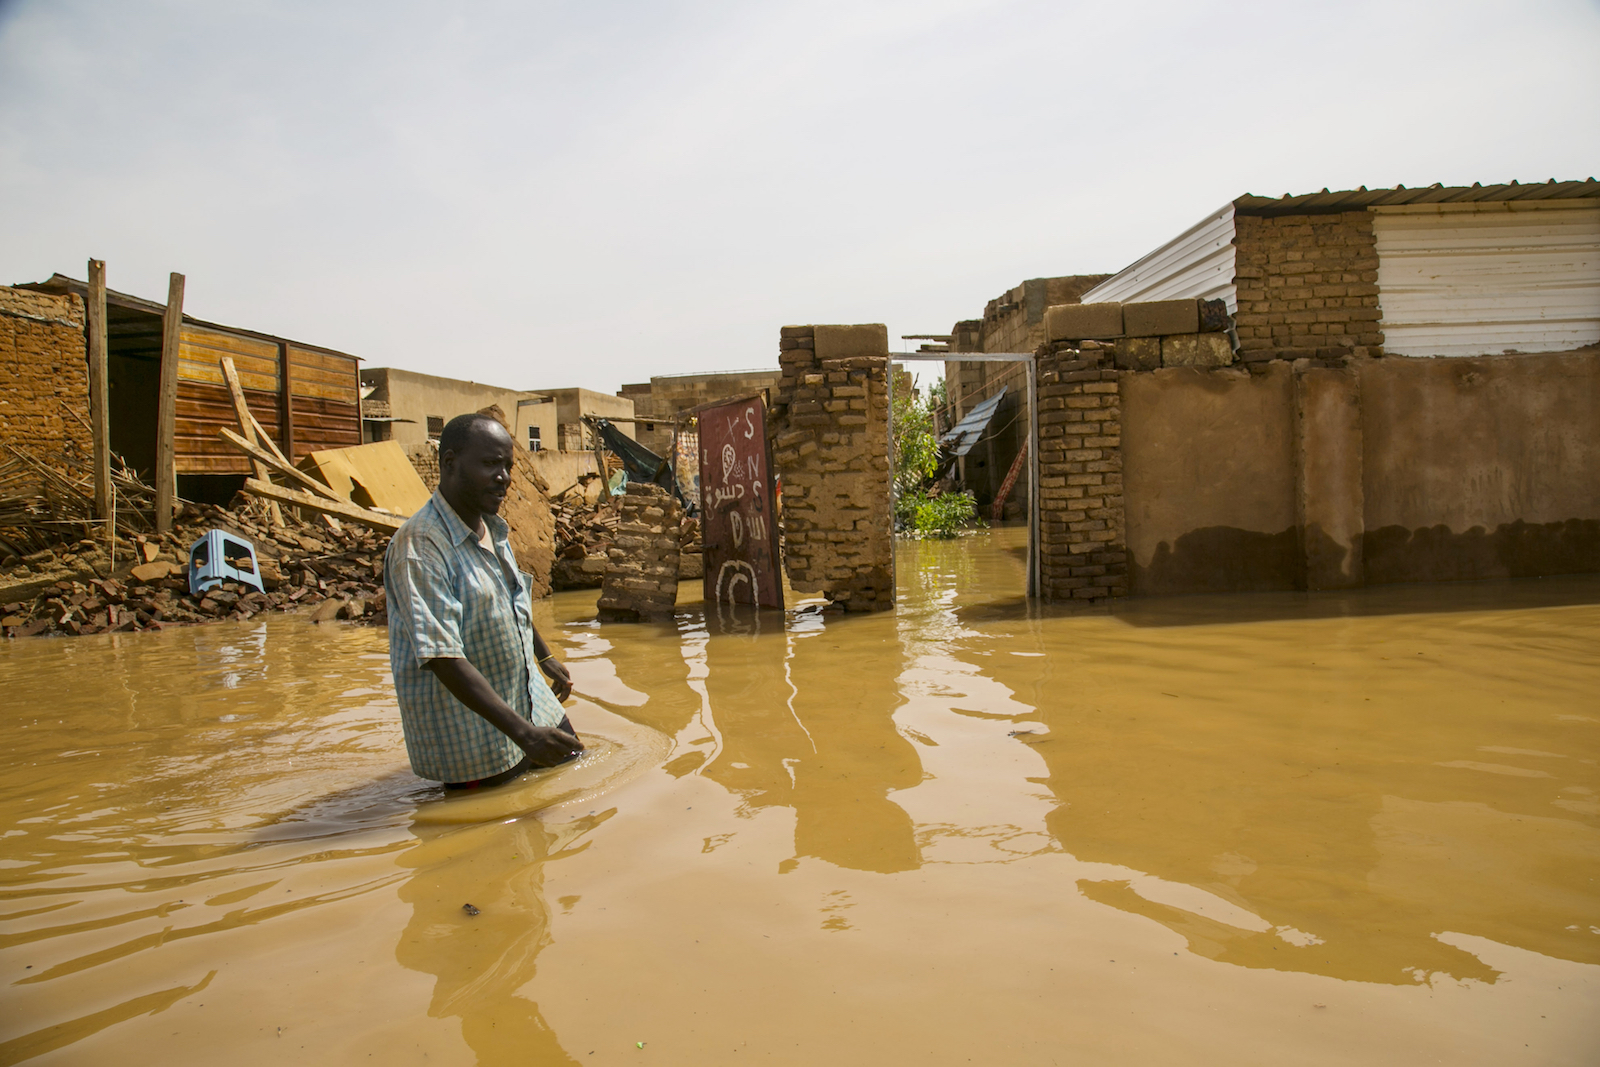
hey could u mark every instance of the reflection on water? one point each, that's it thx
(1357, 827)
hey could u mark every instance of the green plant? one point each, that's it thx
(916, 452)
(922, 514)
(918, 510)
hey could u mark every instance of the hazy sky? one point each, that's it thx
(551, 194)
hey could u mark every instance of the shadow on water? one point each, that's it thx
(1210, 609)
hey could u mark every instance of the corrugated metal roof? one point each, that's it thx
(960, 438)
(1199, 262)
(1356, 199)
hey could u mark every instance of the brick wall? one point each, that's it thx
(1307, 287)
(1082, 536)
(830, 431)
(44, 372)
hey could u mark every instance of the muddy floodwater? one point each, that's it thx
(1266, 829)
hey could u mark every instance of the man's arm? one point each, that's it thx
(554, 669)
(546, 746)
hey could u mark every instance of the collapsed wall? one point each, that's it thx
(830, 434)
(641, 579)
(44, 373)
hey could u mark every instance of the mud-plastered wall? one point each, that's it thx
(830, 433)
(1480, 468)
(44, 374)
(1305, 476)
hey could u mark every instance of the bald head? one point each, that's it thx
(475, 457)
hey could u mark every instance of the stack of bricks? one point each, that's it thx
(641, 579)
(1148, 335)
(1082, 539)
(44, 373)
(830, 431)
(1307, 287)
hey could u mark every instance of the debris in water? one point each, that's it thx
(469, 909)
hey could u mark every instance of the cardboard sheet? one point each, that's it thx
(375, 476)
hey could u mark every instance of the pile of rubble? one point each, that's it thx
(586, 534)
(335, 568)
(586, 526)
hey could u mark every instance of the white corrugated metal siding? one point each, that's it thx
(1198, 262)
(1481, 279)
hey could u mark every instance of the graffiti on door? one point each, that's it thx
(738, 506)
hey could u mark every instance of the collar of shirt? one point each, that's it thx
(460, 531)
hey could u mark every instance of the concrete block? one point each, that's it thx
(1078, 322)
(1196, 350)
(1213, 316)
(844, 342)
(1156, 318)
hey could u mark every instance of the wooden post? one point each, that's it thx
(167, 407)
(99, 392)
(247, 426)
(600, 461)
(286, 419)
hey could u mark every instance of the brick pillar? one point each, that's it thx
(642, 570)
(1082, 536)
(830, 431)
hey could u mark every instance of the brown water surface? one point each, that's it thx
(1260, 829)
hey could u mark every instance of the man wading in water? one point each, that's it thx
(461, 640)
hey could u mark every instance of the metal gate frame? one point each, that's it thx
(1033, 432)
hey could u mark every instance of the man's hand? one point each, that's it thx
(547, 746)
(560, 680)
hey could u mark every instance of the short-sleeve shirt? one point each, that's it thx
(451, 597)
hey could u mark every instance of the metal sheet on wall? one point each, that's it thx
(1199, 262)
(1482, 279)
(738, 506)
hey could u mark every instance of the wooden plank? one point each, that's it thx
(343, 393)
(247, 423)
(99, 407)
(166, 473)
(190, 370)
(230, 344)
(336, 508)
(207, 357)
(263, 458)
(305, 357)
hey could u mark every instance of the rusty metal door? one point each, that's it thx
(738, 506)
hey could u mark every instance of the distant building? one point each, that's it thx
(660, 401)
(412, 408)
(572, 406)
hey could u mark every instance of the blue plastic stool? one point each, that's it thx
(220, 557)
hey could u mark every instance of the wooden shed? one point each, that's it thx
(306, 397)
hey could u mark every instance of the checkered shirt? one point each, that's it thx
(448, 596)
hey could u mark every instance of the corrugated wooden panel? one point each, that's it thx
(1481, 279)
(320, 424)
(322, 375)
(200, 352)
(1198, 262)
(203, 408)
